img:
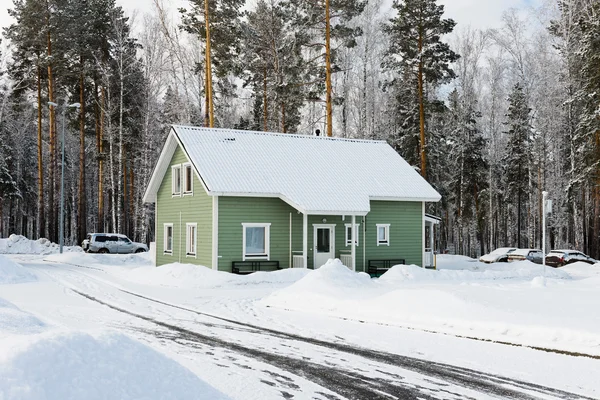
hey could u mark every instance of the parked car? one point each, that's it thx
(498, 255)
(111, 243)
(558, 258)
(533, 255)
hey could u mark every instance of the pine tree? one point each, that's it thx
(217, 25)
(416, 50)
(274, 68)
(331, 17)
(516, 160)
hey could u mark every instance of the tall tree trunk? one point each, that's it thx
(421, 109)
(328, 88)
(209, 91)
(101, 161)
(41, 220)
(265, 101)
(283, 126)
(52, 139)
(81, 205)
(121, 165)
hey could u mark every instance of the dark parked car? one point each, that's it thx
(533, 255)
(111, 243)
(558, 258)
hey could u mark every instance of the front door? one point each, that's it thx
(324, 245)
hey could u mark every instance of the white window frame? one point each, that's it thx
(184, 168)
(165, 228)
(385, 242)
(188, 250)
(349, 237)
(267, 227)
(176, 171)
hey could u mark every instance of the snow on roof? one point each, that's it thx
(316, 175)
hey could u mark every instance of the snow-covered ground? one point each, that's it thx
(467, 330)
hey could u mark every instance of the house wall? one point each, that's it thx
(233, 211)
(179, 210)
(406, 231)
(405, 219)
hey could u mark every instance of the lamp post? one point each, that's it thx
(61, 228)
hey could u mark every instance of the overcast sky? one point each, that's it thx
(477, 13)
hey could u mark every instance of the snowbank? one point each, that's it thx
(506, 302)
(92, 259)
(195, 276)
(515, 270)
(17, 244)
(39, 363)
(15, 321)
(11, 272)
(78, 366)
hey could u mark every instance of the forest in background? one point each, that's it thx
(491, 118)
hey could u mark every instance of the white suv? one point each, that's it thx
(111, 243)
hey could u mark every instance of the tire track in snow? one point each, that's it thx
(482, 382)
(350, 384)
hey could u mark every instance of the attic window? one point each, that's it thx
(188, 185)
(176, 179)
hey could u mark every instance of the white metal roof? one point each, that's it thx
(316, 175)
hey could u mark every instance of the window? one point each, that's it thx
(256, 240)
(190, 247)
(349, 234)
(168, 243)
(383, 234)
(188, 180)
(176, 174)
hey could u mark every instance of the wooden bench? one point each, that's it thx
(379, 267)
(250, 266)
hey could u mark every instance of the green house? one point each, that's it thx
(223, 196)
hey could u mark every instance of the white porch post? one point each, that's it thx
(423, 258)
(353, 246)
(305, 240)
(431, 228)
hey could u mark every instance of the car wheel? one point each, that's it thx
(103, 251)
(140, 251)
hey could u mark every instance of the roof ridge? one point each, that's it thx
(279, 134)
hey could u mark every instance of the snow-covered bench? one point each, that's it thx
(379, 267)
(250, 266)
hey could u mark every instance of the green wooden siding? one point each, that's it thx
(196, 208)
(406, 231)
(405, 219)
(233, 211)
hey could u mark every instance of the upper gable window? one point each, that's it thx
(188, 179)
(176, 175)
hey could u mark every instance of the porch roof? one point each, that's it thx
(315, 175)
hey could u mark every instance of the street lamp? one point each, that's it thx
(62, 173)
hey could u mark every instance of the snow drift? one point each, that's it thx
(11, 272)
(197, 276)
(37, 363)
(17, 244)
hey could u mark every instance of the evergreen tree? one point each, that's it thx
(332, 17)
(516, 160)
(274, 68)
(217, 25)
(416, 50)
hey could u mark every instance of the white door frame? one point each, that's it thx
(331, 228)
